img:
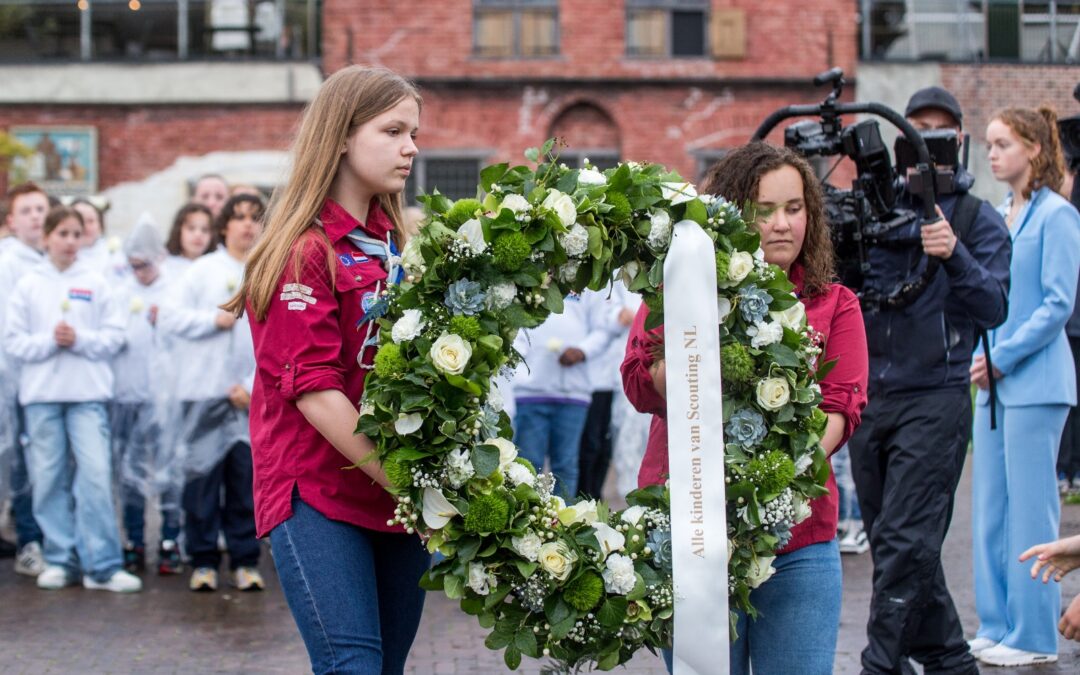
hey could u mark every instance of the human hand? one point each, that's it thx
(239, 397)
(572, 356)
(626, 317)
(658, 371)
(64, 334)
(1055, 559)
(224, 320)
(938, 238)
(979, 376)
(1069, 626)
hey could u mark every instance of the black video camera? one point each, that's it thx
(860, 218)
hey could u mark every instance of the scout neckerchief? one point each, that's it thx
(374, 303)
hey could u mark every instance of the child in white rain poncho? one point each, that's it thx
(143, 458)
(214, 361)
(63, 325)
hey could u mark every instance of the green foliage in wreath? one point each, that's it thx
(579, 583)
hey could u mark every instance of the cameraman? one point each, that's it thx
(909, 452)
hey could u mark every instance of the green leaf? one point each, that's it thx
(448, 428)
(612, 613)
(485, 459)
(608, 661)
(525, 568)
(696, 212)
(487, 620)
(556, 609)
(497, 641)
(512, 657)
(783, 356)
(464, 384)
(453, 586)
(638, 592)
(656, 274)
(620, 180)
(491, 175)
(553, 299)
(533, 155)
(596, 241)
(525, 640)
(492, 342)
(472, 606)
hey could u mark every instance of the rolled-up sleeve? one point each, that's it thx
(844, 387)
(301, 345)
(637, 382)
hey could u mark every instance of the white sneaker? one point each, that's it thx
(980, 644)
(30, 560)
(855, 540)
(54, 577)
(119, 582)
(1001, 655)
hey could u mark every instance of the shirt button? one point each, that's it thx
(287, 366)
(357, 278)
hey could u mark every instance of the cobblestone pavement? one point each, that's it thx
(167, 629)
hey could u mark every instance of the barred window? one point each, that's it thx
(455, 177)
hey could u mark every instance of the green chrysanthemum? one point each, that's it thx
(620, 212)
(584, 592)
(389, 361)
(487, 513)
(397, 470)
(771, 472)
(462, 210)
(467, 327)
(722, 262)
(736, 365)
(511, 250)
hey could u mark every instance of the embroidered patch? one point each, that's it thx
(297, 292)
(350, 259)
(368, 300)
(84, 294)
(298, 306)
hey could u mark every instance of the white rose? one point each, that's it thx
(773, 393)
(450, 354)
(527, 546)
(407, 424)
(479, 580)
(507, 450)
(500, 295)
(678, 193)
(563, 206)
(760, 571)
(723, 308)
(633, 515)
(576, 241)
(765, 333)
(581, 512)
(411, 259)
(610, 539)
(518, 474)
(473, 234)
(628, 272)
(557, 560)
(619, 574)
(437, 509)
(408, 327)
(660, 230)
(802, 509)
(740, 264)
(515, 203)
(591, 177)
(554, 345)
(793, 317)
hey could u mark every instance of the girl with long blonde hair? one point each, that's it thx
(313, 288)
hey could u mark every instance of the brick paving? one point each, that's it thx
(167, 629)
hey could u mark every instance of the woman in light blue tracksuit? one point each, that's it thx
(1015, 487)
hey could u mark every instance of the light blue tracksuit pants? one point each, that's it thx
(1016, 507)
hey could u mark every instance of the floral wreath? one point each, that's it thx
(578, 583)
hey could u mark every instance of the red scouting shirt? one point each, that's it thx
(312, 340)
(837, 316)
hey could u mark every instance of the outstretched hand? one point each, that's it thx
(1055, 559)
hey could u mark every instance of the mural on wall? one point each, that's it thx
(64, 160)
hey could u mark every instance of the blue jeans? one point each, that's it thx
(543, 430)
(137, 442)
(75, 512)
(22, 503)
(354, 593)
(801, 599)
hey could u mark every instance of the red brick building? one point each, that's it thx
(670, 81)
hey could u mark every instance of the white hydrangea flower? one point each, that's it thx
(518, 474)
(660, 230)
(500, 295)
(408, 327)
(527, 545)
(591, 177)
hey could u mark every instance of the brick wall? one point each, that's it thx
(982, 90)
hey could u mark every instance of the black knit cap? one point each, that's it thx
(934, 97)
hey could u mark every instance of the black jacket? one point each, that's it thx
(927, 346)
